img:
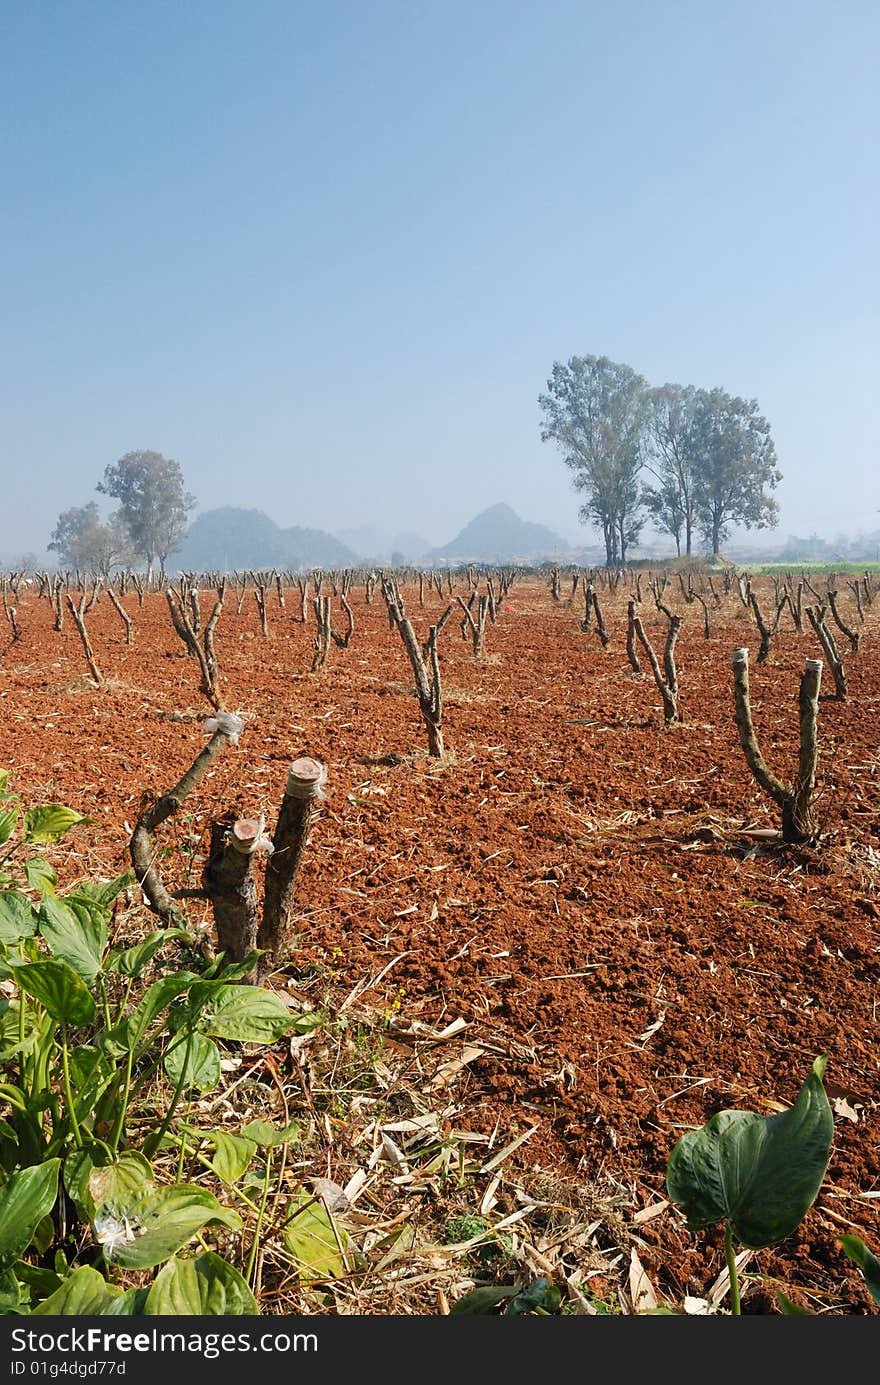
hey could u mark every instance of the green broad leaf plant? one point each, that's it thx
(86, 1030)
(759, 1175)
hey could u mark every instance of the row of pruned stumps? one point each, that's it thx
(485, 590)
(79, 592)
(795, 800)
(265, 935)
(244, 928)
(824, 615)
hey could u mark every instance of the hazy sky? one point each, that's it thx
(325, 256)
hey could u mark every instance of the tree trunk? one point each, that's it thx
(829, 645)
(668, 686)
(78, 613)
(227, 729)
(302, 795)
(798, 822)
(631, 652)
(228, 881)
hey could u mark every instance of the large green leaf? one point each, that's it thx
(90, 1069)
(248, 1014)
(129, 1304)
(75, 935)
(759, 1173)
(484, 1299)
(11, 1041)
(239, 971)
(123, 1176)
(232, 1154)
(262, 1133)
(314, 1239)
(83, 1293)
(205, 1287)
(59, 990)
(50, 822)
(25, 1200)
(75, 1177)
(18, 918)
(151, 1224)
(8, 819)
(103, 892)
(156, 997)
(198, 1063)
(91, 1179)
(37, 1281)
(131, 961)
(539, 1297)
(40, 875)
(866, 1261)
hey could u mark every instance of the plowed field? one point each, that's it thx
(600, 897)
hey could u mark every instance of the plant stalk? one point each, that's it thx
(732, 1271)
(259, 1224)
(123, 1105)
(68, 1091)
(152, 1142)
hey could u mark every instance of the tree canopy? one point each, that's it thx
(153, 504)
(736, 466)
(596, 411)
(672, 462)
(709, 455)
(82, 539)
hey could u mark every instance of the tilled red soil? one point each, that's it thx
(574, 878)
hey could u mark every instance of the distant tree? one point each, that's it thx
(153, 504)
(672, 462)
(596, 410)
(82, 539)
(735, 466)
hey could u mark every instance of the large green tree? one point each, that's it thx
(596, 410)
(672, 462)
(153, 504)
(82, 539)
(735, 467)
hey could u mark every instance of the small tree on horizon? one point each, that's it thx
(735, 466)
(82, 539)
(671, 461)
(596, 410)
(153, 505)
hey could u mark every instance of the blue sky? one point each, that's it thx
(325, 257)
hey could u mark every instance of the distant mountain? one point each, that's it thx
(230, 539)
(498, 535)
(375, 545)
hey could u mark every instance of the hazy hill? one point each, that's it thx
(231, 539)
(498, 535)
